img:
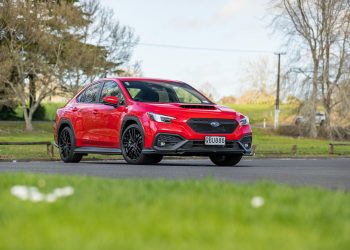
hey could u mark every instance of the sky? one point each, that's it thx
(224, 24)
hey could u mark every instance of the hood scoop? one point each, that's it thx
(193, 106)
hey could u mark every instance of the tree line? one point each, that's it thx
(56, 46)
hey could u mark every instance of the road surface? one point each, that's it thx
(330, 173)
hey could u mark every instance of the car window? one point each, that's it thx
(111, 88)
(166, 92)
(185, 96)
(90, 94)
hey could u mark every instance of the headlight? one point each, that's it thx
(160, 118)
(244, 121)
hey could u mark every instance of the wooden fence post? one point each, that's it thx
(253, 149)
(294, 150)
(330, 148)
(50, 150)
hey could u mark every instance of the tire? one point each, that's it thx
(154, 159)
(225, 160)
(132, 145)
(66, 145)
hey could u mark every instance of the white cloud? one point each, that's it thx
(232, 8)
(219, 16)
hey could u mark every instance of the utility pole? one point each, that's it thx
(277, 107)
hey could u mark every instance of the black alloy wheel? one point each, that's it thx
(66, 145)
(132, 146)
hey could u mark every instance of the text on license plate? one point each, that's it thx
(215, 140)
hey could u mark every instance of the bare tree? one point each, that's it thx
(105, 48)
(132, 70)
(209, 91)
(335, 16)
(321, 28)
(259, 75)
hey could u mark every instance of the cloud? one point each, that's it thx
(220, 16)
(232, 8)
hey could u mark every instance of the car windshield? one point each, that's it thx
(149, 91)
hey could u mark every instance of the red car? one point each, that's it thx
(144, 119)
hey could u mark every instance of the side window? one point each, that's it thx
(81, 97)
(90, 94)
(112, 89)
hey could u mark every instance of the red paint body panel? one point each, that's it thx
(99, 125)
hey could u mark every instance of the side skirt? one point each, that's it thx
(96, 150)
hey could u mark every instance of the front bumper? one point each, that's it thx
(182, 146)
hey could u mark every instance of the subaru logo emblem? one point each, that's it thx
(215, 124)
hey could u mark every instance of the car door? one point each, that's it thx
(87, 114)
(108, 118)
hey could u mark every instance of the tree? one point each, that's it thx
(209, 91)
(259, 75)
(31, 41)
(104, 48)
(320, 28)
(228, 99)
(45, 45)
(132, 70)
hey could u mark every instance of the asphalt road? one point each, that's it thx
(330, 173)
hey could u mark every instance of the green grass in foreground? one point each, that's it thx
(268, 143)
(159, 214)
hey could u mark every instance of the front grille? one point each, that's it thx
(213, 126)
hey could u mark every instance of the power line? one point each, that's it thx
(171, 46)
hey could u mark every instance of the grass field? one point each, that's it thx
(43, 131)
(50, 110)
(258, 112)
(159, 214)
(266, 141)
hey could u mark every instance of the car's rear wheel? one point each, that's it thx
(132, 146)
(66, 145)
(225, 160)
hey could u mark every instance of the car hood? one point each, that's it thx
(186, 111)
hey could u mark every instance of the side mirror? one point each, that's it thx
(111, 100)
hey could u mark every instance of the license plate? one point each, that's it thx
(215, 140)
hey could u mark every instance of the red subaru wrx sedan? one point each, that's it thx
(144, 119)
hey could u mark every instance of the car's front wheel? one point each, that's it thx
(132, 146)
(225, 160)
(66, 144)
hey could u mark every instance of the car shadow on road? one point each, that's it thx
(166, 163)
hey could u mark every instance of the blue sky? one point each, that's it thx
(226, 24)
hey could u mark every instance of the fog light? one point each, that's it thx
(247, 145)
(167, 141)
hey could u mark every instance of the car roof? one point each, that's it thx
(141, 79)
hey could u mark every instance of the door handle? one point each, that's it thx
(74, 109)
(94, 112)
